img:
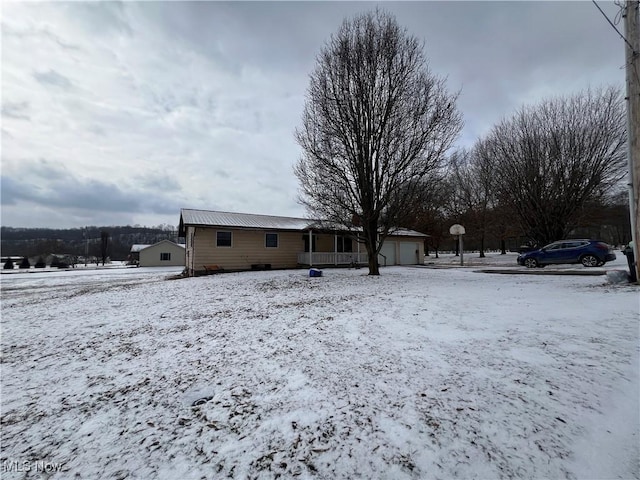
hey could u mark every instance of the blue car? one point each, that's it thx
(590, 253)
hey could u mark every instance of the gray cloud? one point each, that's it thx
(105, 17)
(156, 182)
(36, 32)
(46, 183)
(53, 78)
(17, 110)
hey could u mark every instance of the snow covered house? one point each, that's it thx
(239, 241)
(162, 254)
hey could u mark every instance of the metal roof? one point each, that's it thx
(137, 247)
(405, 232)
(242, 220)
(212, 218)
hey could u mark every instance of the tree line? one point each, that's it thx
(114, 241)
(550, 171)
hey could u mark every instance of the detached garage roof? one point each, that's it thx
(139, 247)
(211, 218)
(405, 232)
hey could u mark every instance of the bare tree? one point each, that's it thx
(429, 213)
(473, 183)
(104, 245)
(376, 123)
(553, 158)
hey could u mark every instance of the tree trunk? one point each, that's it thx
(374, 268)
(503, 247)
(371, 242)
(482, 245)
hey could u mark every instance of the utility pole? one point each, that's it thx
(632, 56)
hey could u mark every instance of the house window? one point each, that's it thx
(271, 240)
(305, 238)
(165, 257)
(344, 244)
(223, 239)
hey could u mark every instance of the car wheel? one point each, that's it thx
(589, 261)
(531, 263)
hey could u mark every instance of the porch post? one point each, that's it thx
(310, 247)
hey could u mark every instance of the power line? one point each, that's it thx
(614, 27)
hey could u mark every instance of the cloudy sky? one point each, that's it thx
(123, 113)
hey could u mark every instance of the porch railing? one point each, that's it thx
(332, 258)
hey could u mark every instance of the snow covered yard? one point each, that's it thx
(419, 373)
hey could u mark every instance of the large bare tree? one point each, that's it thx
(553, 158)
(376, 122)
(473, 182)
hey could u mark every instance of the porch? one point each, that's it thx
(332, 258)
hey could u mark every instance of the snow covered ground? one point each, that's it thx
(420, 373)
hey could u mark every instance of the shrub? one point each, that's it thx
(40, 263)
(8, 265)
(25, 263)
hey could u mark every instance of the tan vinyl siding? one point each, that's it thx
(151, 256)
(325, 242)
(248, 247)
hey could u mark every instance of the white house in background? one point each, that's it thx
(240, 241)
(162, 254)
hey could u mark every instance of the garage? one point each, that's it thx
(397, 252)
(409, 253)
(387, 255)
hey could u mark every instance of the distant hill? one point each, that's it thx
(34, 242)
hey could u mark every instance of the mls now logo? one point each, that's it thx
(27, 466)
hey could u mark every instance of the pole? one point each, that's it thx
(632, 56)
(461, 251)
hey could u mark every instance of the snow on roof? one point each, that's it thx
(137, 247)
(405, 232)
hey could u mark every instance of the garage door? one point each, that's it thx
(408, 255)
(388, 250)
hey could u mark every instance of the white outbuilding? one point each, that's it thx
(162, 254)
